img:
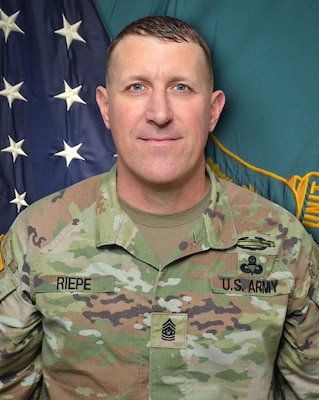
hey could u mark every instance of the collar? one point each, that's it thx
(215, 228)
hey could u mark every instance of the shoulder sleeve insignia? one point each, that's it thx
(1, 260)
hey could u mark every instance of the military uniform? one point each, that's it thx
(87, 311)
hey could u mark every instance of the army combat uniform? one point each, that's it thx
(88, 312)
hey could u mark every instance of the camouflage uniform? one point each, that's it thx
(238, 296)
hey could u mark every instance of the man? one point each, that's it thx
(156, 280)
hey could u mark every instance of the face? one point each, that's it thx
(160, 108)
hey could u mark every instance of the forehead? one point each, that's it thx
(148, 52)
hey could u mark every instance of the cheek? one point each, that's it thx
(199, 125)
(124, 116)
(197, 114)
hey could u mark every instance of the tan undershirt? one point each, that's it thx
(165, 232)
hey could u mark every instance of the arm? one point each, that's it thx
(297, 372)
(20, 334)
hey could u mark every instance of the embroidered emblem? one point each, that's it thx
(168, 330)
(1, 260)
(251, 267)
(256, 243)
(307, 190)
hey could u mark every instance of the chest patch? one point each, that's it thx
(169, 330)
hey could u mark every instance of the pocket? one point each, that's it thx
(251, 309)
(63, 296)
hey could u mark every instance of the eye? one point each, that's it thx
(136, 87)
(181, 87)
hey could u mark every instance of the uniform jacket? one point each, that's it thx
(87, 311)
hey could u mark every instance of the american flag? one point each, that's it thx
(52, 58)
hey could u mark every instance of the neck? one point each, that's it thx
(164, 200)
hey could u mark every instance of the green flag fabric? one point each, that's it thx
(266, 59)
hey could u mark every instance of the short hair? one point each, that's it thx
(164, 28)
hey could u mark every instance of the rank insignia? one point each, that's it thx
(169, 330)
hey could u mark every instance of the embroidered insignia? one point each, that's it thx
(1, 260)
(168, 330)
(251, 267)
(255, 243)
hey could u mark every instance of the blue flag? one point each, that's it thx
(52, 58)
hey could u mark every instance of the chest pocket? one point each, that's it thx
(65, 297)
(63, 294)
(251, 294)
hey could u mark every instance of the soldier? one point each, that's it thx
(157, 280)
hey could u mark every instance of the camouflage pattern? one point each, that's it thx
(87, 312)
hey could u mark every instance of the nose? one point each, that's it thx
(159, 109)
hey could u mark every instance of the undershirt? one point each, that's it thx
(165, 232)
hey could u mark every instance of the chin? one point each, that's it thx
(164, 181)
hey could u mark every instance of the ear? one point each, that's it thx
(218, 100)
(103, 103)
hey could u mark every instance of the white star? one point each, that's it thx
(70, 31)
(8, 25)
(19, 200)
(15, 148)
(70, 153)
(12, 92)
(70, 95)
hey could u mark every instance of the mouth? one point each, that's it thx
(159, 141)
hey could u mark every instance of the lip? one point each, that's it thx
(159, 140)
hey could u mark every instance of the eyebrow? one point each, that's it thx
(144, 77)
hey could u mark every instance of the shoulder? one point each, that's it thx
(43, 220)
(251, 205)
(58, 204)
(253, 213)
(257, 216)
